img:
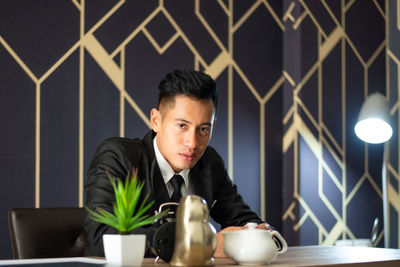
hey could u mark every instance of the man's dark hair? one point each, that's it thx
(191, 83)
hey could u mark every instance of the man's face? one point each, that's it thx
(183, 130)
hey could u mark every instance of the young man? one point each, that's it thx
(177, 145)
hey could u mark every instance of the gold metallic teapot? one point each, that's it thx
(195, 240)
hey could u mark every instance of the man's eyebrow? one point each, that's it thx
(183, 120)
(188, 122)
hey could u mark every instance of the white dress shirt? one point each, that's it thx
(167, 172)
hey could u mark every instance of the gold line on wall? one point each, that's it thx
(306, 111)
(289, 78)
(365, 83)
(305, 78)
(394, 196)
(378, 7)
(230, 93)
(398, 18)
(348, 5)
(273, 89)
(393, 57)
(314, 218)
(303, 218)
(289, 212)
(159, 49)
(100, 55)
(398, 115)
(247, 82)
(325, 200)
(386, 50)
(328, 9)
(37, 148)
(207, 26)
(288, 13)
(333, 152)
(313, 19)
(376, 53)
(289, 138)
(300, 20)
(353, 47)
(355, 189)
(136, 31)
(219, 64)
(274, 15)
(18, 60)
(330, 43)
(224, 7)
(106, 17)
(184, 37)
(374, 185)
(135, 106)
(334, 233)
(343, 83)
(288, 115)
(121, 96)
(296, 149)
(81, 103)
(245, 16)
(262, 161)
(75, 2)
(332, 139)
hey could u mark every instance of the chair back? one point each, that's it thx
(47, 232)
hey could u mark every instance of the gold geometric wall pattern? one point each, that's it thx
(276, 63)
(113, 65)
(335, 42)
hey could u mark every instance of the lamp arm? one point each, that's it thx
(385, 195)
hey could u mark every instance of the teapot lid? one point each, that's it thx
(251, 229)
(251, 226)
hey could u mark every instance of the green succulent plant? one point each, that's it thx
(128, 215)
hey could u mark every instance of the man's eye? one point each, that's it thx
(181, 125)
(205, 130)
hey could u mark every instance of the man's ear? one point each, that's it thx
(155, 119)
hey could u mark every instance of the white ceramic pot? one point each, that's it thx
(127, 250)
(253, 246)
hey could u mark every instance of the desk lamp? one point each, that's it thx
(373, 126)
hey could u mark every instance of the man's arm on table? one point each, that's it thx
(229, 208)
(219, 252)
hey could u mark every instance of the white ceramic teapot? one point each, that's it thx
(253, 246)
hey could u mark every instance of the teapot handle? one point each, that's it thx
(280, 242)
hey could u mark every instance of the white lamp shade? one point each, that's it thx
(373, 124)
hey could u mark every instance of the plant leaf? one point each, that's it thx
(128, 213)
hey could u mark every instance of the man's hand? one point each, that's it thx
(219, 252)
(264, 226)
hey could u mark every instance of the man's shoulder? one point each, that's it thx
(121, 143)
(131, 147)
(124, 150)
(211, 156)
(124, 143)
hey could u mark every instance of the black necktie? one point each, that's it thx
(176, 182)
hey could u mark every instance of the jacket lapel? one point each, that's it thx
(159, 189)
(202, 183)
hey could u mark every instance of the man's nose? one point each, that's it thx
(191, 139)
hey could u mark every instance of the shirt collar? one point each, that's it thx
(166, 170)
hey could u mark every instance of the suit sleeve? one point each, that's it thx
(109, 160)
(229, 208)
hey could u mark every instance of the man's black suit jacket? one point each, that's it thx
(118, 156)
